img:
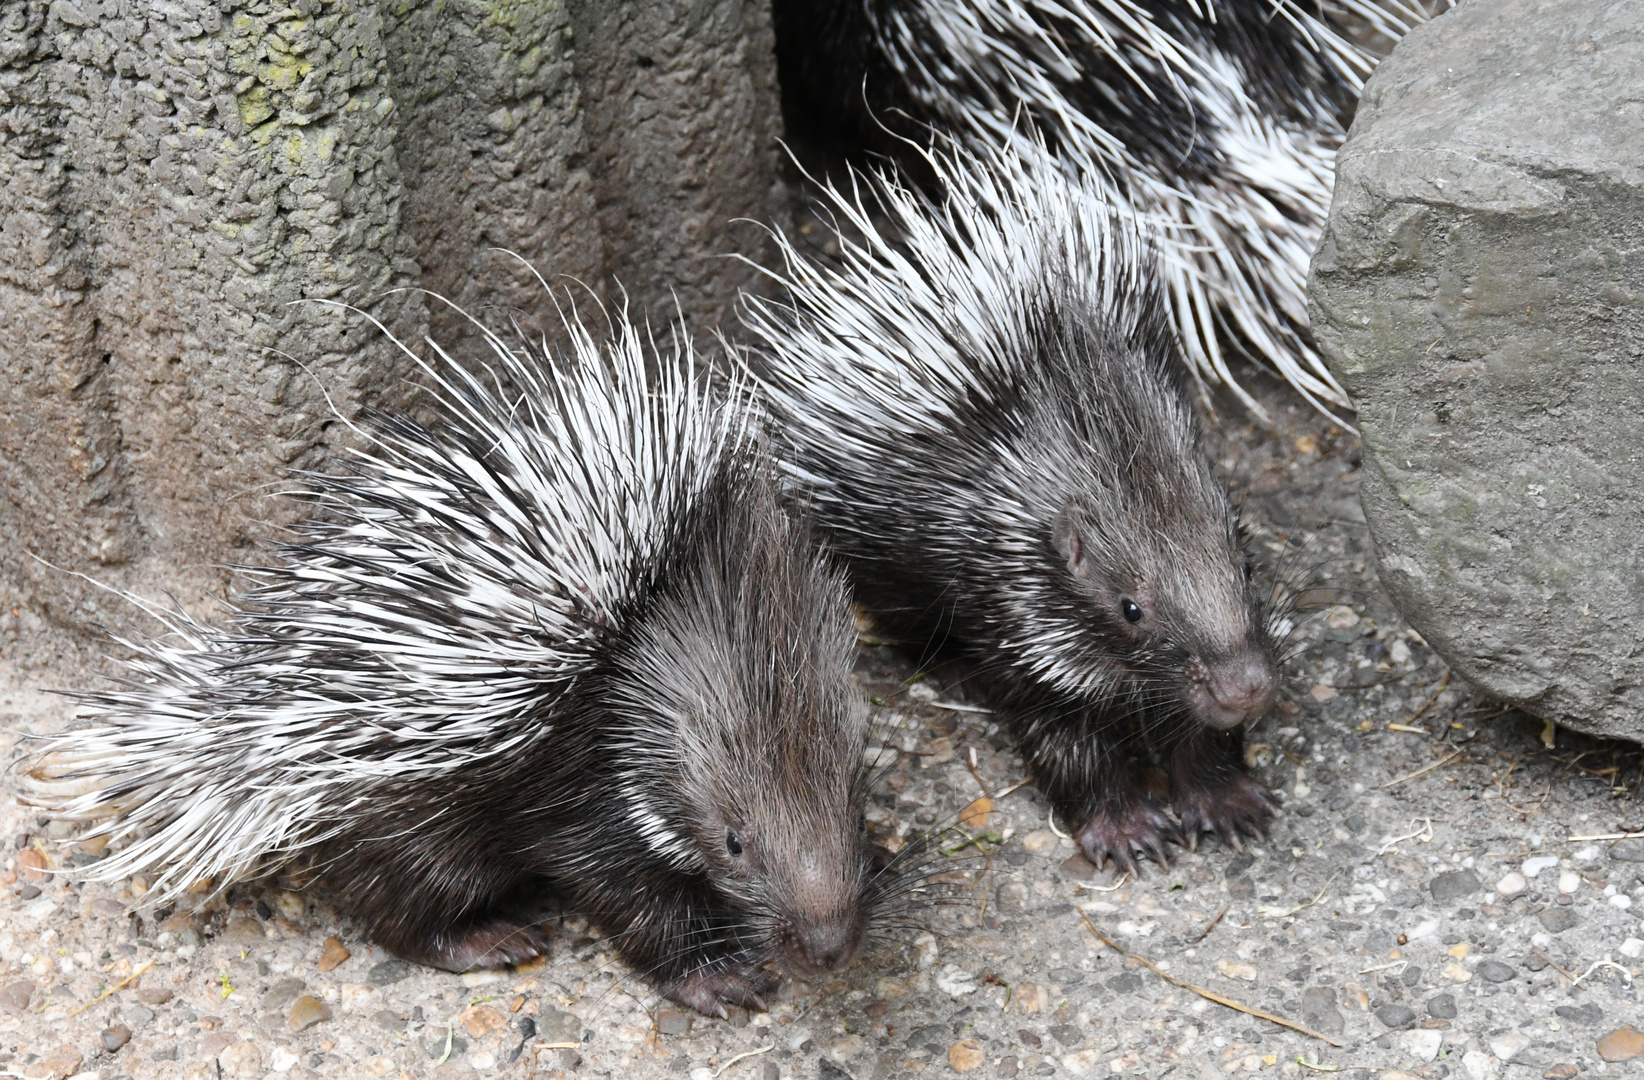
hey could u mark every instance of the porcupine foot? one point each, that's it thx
(709, 992)
(1236, 809)
(1122, 833)
(496, 943)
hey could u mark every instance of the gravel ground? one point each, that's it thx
(1426, 899)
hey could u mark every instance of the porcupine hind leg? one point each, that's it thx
(441, 900)
(1095, 784)
(1211, 791)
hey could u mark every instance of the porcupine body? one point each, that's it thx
(980, 408)
(567, 641)
(1218, 121)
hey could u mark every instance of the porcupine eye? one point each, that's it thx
(1132, 613)
(732, 844)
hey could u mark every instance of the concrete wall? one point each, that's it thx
(173, 176)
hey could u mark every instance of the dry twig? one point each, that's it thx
(1213, 922)
(1555, 965)
(1444, 684)
(1208, 995)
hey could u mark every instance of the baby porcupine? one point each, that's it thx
(979, 409)
(1217, 121)
(567, 641)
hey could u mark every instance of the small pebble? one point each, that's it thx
(244, 930)
(1497, 972)
(1441, 1007)
(65, 1060)
(965, 1055)
(333, 955)
(1622, 1044)
(307, 1011)
(1568, 882)
(1040, 842)
(1454, 885)
(1078, 867)
(282, 993)
(14, 998)
(154, 995)
(1512, 884)
(242, 1059)
(672, 1022)
(1556, 920)
(1396, 1016)
(115, 1037)
(389, 971)
(1532, 867)
(32, 863)
(482, 1020)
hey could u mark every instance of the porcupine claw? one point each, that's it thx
(1123, 833)
(1234, 810)
(709, 992)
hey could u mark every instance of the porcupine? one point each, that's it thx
(1218, 120)
(980, 409)
(569, 641)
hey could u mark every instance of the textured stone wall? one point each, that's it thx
(1480, 292)
(173, 176)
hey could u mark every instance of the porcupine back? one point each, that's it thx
(1219, 122)
(979, 408)
(456, 589)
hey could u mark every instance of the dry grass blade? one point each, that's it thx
(112, 989)
(1208, 995)
(1423, 770)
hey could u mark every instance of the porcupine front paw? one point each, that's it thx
(1123, 833)
(1236, 808)
(497, 943)
(709, 992)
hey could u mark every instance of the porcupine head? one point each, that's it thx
(742, 781)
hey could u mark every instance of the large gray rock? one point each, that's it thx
(1480, 292)
(173, 175)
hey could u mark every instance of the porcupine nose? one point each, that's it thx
(828, 946)
(1241, 688)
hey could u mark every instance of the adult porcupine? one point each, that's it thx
(985, 421)
(566, 640)
(1218, 120)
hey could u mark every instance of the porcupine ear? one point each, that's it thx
(1070, 532)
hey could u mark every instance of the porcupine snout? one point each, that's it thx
(1232, 689)
(822, 932)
